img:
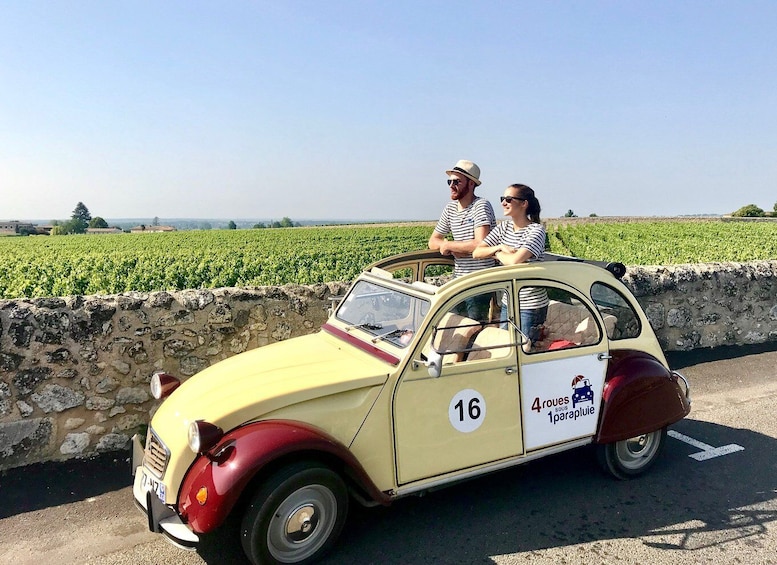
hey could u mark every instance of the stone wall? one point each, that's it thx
(708, 305)
(74, 371)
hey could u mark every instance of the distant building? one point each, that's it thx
(151, 229)
(102, 231)
(14, 227)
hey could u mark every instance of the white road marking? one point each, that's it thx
(707, 451)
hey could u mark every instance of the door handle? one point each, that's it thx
(603, 356)
(509, 370)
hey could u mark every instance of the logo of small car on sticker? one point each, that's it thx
(581, 391)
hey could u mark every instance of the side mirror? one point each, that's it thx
(434, 364)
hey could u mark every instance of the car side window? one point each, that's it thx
(620, 319)
(437, 274)
(568, 323)
(405, 274)
(470, 329)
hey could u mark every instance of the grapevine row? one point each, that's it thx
(109, 264)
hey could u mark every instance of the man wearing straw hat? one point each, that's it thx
(468, 218)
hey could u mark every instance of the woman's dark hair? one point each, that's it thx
(533, 209)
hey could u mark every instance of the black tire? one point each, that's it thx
(631, 457)
(295, 516)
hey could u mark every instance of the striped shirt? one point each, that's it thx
(461, 224)
(532, 238)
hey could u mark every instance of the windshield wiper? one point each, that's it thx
(371, 327)
(387, 335)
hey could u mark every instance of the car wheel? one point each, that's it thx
(295, 516)
(631, 457)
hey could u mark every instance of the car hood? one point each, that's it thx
(247, 386)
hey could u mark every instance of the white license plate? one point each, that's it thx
(149, 483)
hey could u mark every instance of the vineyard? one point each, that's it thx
(109, 264)
(666, 243)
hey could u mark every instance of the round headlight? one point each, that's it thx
(163, 385)
(203, 436)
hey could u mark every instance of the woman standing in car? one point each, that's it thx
(519, 239)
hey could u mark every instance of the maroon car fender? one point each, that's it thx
(226, 470)
(640, 396)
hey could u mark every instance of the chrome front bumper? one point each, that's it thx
(161, 517)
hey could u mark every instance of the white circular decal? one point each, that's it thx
(467, 410)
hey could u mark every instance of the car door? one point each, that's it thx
(562, 373)
(469, 414)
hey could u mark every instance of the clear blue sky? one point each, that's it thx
(332, 110)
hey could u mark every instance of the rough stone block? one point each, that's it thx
(25, 441)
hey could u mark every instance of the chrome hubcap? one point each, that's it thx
(302, 524)
(638, 451)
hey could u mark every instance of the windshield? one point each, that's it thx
(386, 313)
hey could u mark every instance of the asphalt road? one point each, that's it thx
(711, 498)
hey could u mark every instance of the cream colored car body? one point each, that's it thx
(311, 378)
(413, 419)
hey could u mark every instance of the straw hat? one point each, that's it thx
(468, 169)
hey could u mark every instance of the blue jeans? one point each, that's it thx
(530, 323)
(532, 320)
(475, 308)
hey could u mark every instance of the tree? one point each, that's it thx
(81, 212)
(570, 214)
(98, 222)
(749, 211)
(75, 225)
(231, 225)
(287, 223)
(260, 225)
(79, 220)
(155, 222)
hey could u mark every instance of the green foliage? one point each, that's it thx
(570, 214)
(259, 226)
(749, 211)
(62, 266)
(231, 225)
(75, 225)
(81, 212)
(55, 266)
(666, 243)
(284, 223)
(98, 222)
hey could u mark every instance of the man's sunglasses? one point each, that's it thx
(454, 182)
